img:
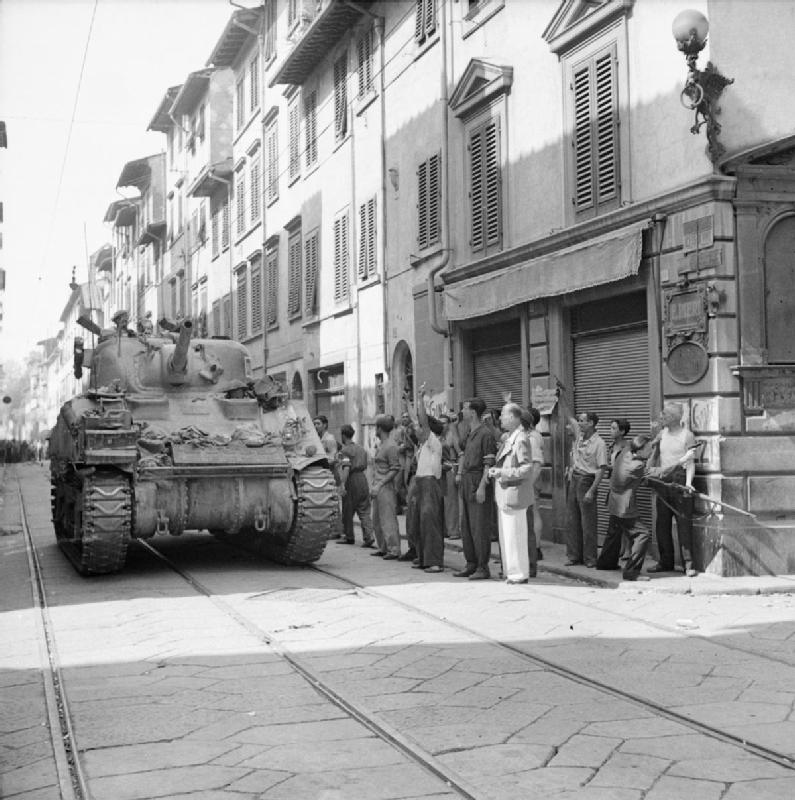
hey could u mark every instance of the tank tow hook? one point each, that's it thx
(260, 519)
(162, 523)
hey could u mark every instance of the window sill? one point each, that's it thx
(294, 179)
(312, 170)
(342, 311)
(273, 327)
(271, 201)
(426, 45)
(247, 232)
(340, 142)
(310, 322)
(364, 102)
(246, 125)
(373, 280)
(294, 317)
(481, 17)
(427, 254)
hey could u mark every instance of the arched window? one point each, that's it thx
(779, 279)
(403, 375)
(297, 387)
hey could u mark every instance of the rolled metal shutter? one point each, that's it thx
(611, 378)
(497, 364)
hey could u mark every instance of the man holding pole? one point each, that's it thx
(672, 480)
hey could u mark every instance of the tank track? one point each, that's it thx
(317, 508)
(95, 535)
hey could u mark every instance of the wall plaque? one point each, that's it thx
(686, 316)
(687, 362)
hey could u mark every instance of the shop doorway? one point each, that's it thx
(611, 375)
(497, 363)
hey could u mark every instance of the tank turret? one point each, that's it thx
(178, 362)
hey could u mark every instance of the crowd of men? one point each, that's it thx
(474, 476)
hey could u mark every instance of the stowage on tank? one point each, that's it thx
(174, 435)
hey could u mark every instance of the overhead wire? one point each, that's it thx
(54, 215)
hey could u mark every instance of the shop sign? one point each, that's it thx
(687, 362)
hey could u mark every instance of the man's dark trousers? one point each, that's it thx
(357, 501)
(671, 502)
(581, 536)
(427, 520)
(475, 531)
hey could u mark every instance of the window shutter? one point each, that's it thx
(596, 156)
(253, 83)
(485, 186)
(341, 96)
(242, 309)
(422, 206)
(310, 120)
(255, 189)
(272, 153)
(311, 266)
(217, 318)
(371, 259)
(365, 52)
(225, 223)
(583, 144)
(273, 286)
(241, 201)
(419, 20)
(434, 199)
(256, 296)
(240, 101)
(493, 185)
(477, 240)
(430, 17)
(215, 233)
(341, 259)
(294, 274)
(294, 145)
(227, 315)
(606, 128)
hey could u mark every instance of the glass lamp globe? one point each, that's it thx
(689, 23)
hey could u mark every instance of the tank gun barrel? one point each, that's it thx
(179, 358)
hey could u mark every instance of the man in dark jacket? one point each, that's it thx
(355, 491)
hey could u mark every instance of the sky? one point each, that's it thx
(55, 186)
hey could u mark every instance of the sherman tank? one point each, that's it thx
(172, 435)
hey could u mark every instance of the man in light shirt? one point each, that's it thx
(427, 507)
(588, 466)
(675, 468)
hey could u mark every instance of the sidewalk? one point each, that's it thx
(671, 583)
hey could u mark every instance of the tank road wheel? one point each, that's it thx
(316, 509)
(92, 519)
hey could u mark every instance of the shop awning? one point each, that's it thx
(603, 259)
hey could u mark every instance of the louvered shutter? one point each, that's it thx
(241, 201)
(227, 306)
(485, 186)
(242, 305)
(311, 267)
(255, 189)
(371, 259)
(434, 199)
(310, 121)
(595, 143)
(365, 59)
(273, 162)
(225, 223)
(256, 296)
(341, 259)
(216, 318)
(253, 85)
(341, 96)
(294, 274)
(430, 17)
(477, 238)
(419, 21)
(606, 127)
(295, 141)
(611, 379)
(422, 206)
(272, 260)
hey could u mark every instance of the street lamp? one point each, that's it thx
(702, 87)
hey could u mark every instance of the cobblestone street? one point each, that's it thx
(365, 679)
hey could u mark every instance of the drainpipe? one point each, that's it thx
(443, 101)
(187, 298)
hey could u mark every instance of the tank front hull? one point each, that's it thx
(228, 504)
